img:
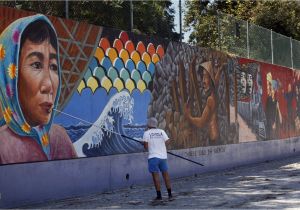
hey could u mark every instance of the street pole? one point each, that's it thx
(67, 8)
(180, 21)
(131, 15)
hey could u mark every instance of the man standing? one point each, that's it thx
(155, 143)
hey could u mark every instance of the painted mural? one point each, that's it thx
(121, 71)
(269, 111)
(72, 90)
(190, 96)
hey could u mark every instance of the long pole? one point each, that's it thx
(85, 121)
(167, 151)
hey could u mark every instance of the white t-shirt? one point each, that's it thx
(156, 139)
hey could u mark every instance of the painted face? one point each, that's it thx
(243, 82)
(249, 83)
(289, 88)
(206, 80)
(38, 81)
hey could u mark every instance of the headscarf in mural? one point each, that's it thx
(10, 41)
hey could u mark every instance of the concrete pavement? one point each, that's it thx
(272, 184)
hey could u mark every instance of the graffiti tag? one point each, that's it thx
(205, 151)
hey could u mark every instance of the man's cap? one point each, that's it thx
(152, 122)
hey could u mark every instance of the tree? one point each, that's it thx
(280, 16)
(150, 17)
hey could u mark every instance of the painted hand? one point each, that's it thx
(187, 112)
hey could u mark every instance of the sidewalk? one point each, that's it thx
(274, 184)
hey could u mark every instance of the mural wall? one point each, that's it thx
(78, 90)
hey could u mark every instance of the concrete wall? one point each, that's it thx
(160, 77)
(22, 184)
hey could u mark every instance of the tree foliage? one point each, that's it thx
(149, 17)
(280, 16)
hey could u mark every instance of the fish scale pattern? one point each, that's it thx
(121, 64)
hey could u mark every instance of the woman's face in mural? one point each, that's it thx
(289, 88)
(243, 82)
(249, 83)
(206, 80)
(38, 81)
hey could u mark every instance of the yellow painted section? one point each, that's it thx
(124, 55)
(7, 114)
(92, 83)
(155, 58)
(12, 70)
(118, 83)
(129, 84)
(141, 85)
(99, 54)
(2, 52)
(135, 56)
(81, 86)
(146, 58)
(45, 139)
(26, 127)
(106, 83)
(112, 54)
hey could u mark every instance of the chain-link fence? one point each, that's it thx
(251, 41)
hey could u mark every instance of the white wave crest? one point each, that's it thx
(121, 104)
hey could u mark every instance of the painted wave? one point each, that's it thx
(104, 138)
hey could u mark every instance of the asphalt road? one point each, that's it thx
(273, 184)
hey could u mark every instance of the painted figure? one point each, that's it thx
(272, 110)
(297, 119)
(249, 84)
(209, 115)
(289, 96)
(243, 83)
(30, 87)
(155, 141)
(257, 107)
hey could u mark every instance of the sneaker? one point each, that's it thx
(170, 198)
(158, 199)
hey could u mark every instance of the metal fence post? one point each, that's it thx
(248, 46)
(131, 15)
(180, 21)
(272, 56)
(219, 31)
(291, 43)
(67, 8)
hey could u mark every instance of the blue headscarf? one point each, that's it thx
(10, 41)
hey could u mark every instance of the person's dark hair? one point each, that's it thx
(39, 31)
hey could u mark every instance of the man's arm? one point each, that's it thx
(167, 142)
(146, 145)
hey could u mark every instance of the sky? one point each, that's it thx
(176, 8)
